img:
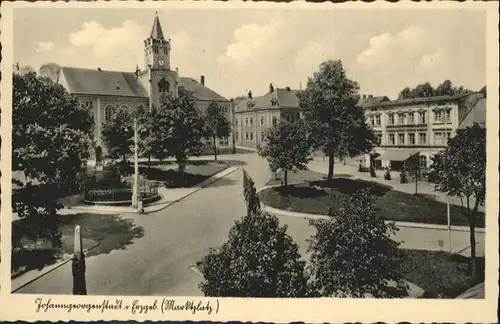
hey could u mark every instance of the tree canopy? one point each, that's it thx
(52, 133)
(216, 124)
(422, 90)
(460, 171)
(353, 254)
(50, 71)
(336, 124)
(51, 140)
(118, 134)
(180, 128)
(286, 147)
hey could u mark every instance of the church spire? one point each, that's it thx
(156, 31)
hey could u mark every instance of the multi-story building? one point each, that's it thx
(103, 92)
(404, 127)
(253, 116)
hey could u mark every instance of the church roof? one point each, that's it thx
(199, 91)
(112, 83)
(100, 82)
(156, 31)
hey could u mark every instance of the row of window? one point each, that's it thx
(411, 118)
(274, 121)
(440, 138)
(249, 136)
(157, 48)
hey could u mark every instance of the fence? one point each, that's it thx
(146, 190)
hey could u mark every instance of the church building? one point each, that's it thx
(106, 91)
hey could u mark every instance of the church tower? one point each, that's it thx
(157, 77)
(157, 48)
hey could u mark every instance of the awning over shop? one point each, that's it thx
(396, 155)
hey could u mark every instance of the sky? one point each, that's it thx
(384, 50)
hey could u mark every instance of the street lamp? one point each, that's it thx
(135, 190)
(448, 216)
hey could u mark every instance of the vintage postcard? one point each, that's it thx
(249, 161)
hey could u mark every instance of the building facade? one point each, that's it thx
(104, 92)
(404, 127)
(253, 116)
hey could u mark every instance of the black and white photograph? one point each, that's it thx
(271, 151)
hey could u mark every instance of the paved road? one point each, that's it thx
(176, 238)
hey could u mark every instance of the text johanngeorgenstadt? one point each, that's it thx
(135, 307)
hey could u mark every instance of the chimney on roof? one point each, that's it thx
(137, 72)
(250, 94)
(202, 80)
(370, 96)
(287, 88)
(98, 69)
(271, 88)
(364, 96)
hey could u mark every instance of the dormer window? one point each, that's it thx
(274, 102)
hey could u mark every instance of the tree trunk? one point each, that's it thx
(149, 162)
(416, 183)
(472, 225)
(215, 148)
(285, 177)
(331, 162)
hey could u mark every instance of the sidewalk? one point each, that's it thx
(415, 236)
(169, 197)
(320, 166)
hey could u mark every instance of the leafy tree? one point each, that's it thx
(286, 147)
(181, 128)
(51, 140)
(118, 135)
(216, 124)
(422, 90)
(444, 89)
(259, 259)
(460, 171)
(52, 134)
(352, 252)
(414, 168)
(336, 124)
(23, 70)
(50, 71)
(406, 93)
(483, 91)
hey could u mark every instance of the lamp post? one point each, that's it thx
(448, 215)
(135, 190)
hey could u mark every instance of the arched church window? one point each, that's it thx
(109, 112)
(163, 85)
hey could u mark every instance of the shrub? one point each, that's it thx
(353, 254)
(259, 259)
(403, 178)
(387, 175)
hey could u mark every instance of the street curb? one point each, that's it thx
(55, 266)
(132, 211)
(281, 212)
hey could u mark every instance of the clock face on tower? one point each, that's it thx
(161, 62)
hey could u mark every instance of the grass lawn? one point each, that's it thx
(102, 233)
(315, 195)
(440, 274)
(167, 172)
